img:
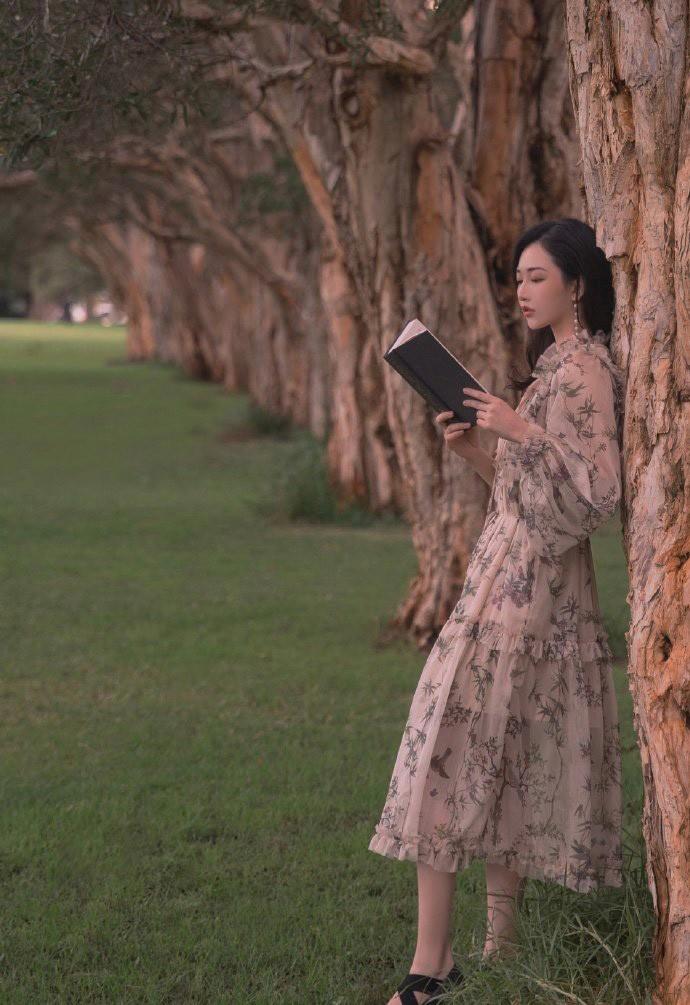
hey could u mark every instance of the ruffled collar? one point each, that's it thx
(548, 361)
(553, 354)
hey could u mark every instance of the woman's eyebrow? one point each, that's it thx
(532, 268)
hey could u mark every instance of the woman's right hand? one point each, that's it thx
(461, 437)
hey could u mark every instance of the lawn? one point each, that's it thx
(200, 719)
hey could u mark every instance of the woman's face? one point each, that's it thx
(540, 287)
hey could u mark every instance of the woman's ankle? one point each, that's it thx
(504, 947)
(432, 964)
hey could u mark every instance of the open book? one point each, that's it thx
(432, 370)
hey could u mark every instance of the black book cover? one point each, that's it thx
(432, 370)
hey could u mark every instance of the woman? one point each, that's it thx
(511, 750)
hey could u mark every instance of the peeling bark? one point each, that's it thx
(423, 171)
(630, 83)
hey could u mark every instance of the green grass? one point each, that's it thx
(199, 717)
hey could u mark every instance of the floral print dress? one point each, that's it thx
(511, 750)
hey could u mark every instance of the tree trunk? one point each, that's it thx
(224, 305)
(630, 85)
(259, 322)
(435, 158)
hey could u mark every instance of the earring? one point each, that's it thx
(577, 320)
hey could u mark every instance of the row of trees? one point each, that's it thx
(272, 190)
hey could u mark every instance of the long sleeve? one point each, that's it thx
(568, 475)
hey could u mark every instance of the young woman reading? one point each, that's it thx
(511, 750)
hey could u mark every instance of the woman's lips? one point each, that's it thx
(527, 310)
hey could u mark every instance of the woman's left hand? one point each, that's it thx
(495, 414)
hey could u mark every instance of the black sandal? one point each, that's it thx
(433, 986)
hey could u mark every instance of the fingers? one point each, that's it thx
(475, 398)
(455, 428)
(444, 416)
(452, 430)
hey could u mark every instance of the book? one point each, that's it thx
(433, 371)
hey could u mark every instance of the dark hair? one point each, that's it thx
(572, 245)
